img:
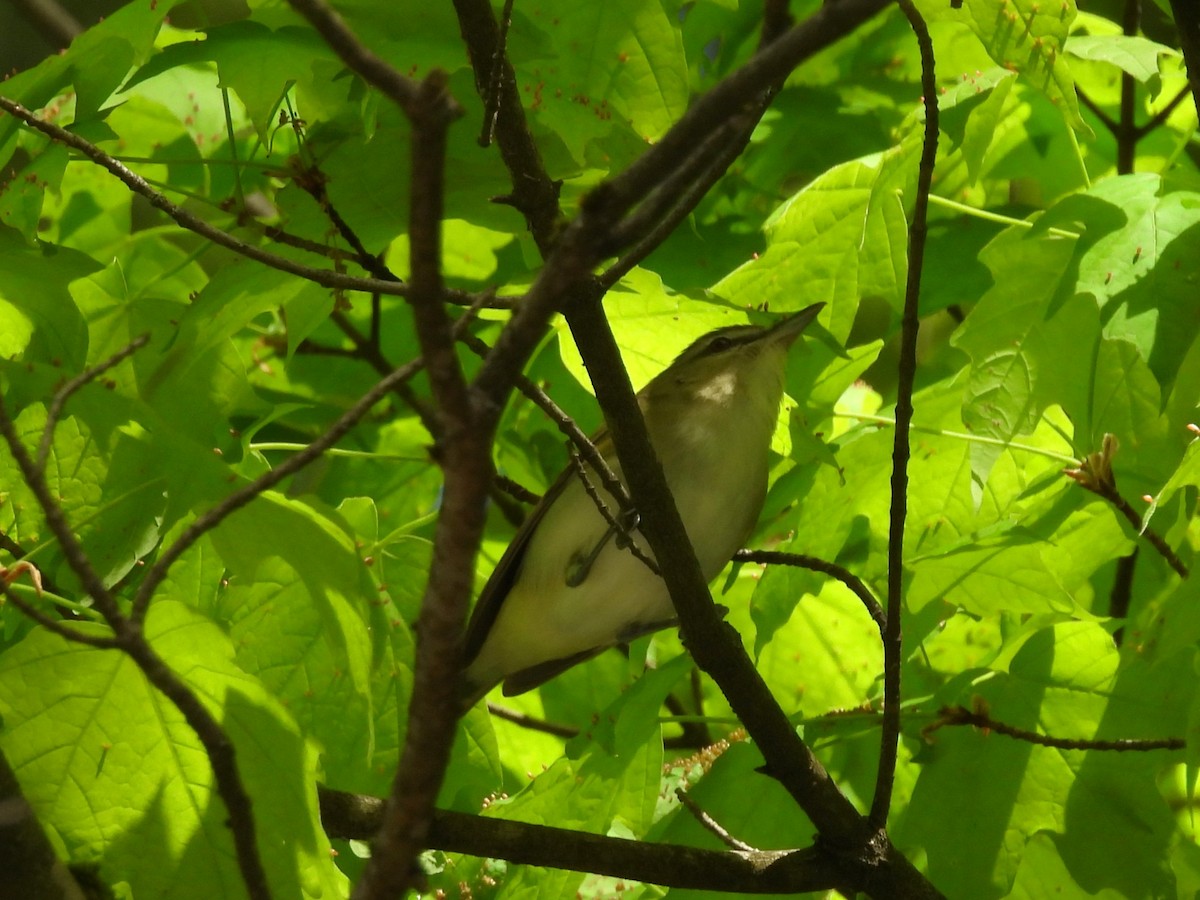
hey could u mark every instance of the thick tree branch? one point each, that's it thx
(1187, 21)
(867, 860)
(352, 816)
(466, 462)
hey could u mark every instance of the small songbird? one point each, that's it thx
(568, 585)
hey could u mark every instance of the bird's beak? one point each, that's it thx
(789, 329)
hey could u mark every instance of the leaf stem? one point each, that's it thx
(988, 216)
(964, 436)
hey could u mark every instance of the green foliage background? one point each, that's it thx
(1060, 304)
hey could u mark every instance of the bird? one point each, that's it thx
(568, 585)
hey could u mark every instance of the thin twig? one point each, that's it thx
(960, 715)
(627, 542)
(587, 449)
(906, 376)
(646, 236)
(711, 824)
(1105, 119)
(57, 625)
(401, 90)
(1095, 473)
(531, 722)
(1165, 113)
(491, 100)
(132, 641)
(63, 394)
(516, 490)
(209, 520)
(842, 574)
(185, 219)
(534, 194)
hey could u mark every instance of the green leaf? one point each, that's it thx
(838, 240)
(34, 283)
(1131, 53)
(1026, 36)
(131, 765)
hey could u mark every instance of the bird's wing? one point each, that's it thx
(487, 607)
(534, 676)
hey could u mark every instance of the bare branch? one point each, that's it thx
(356, 816)
(1165, 113)
(1187, 21)
(63, 394)
(534, 194)
(57, 626)
(624, 531)
(399, 89)
(465, 454)
(906, 376)
(711, 824)
(960, 715)
(185, 219)
(528, 721)
(54, 22)
(842, 574)
(1095, 473)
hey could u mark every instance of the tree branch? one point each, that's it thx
(55, 23)
(867, 860)
(960, 715)
(842, 574)
(1187, 21)
(402, 91)
(466, 462)
(534, 194)
(132, 641)
(906, 377)
(185, 219)
(356, 817)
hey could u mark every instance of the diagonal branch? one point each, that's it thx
(132, 640)
(868, 860)
(185, 219)
(403, 91)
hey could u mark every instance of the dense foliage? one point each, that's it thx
(1060, 304)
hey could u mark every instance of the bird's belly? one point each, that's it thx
(544, 618)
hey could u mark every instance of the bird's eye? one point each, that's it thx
(720, 344)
